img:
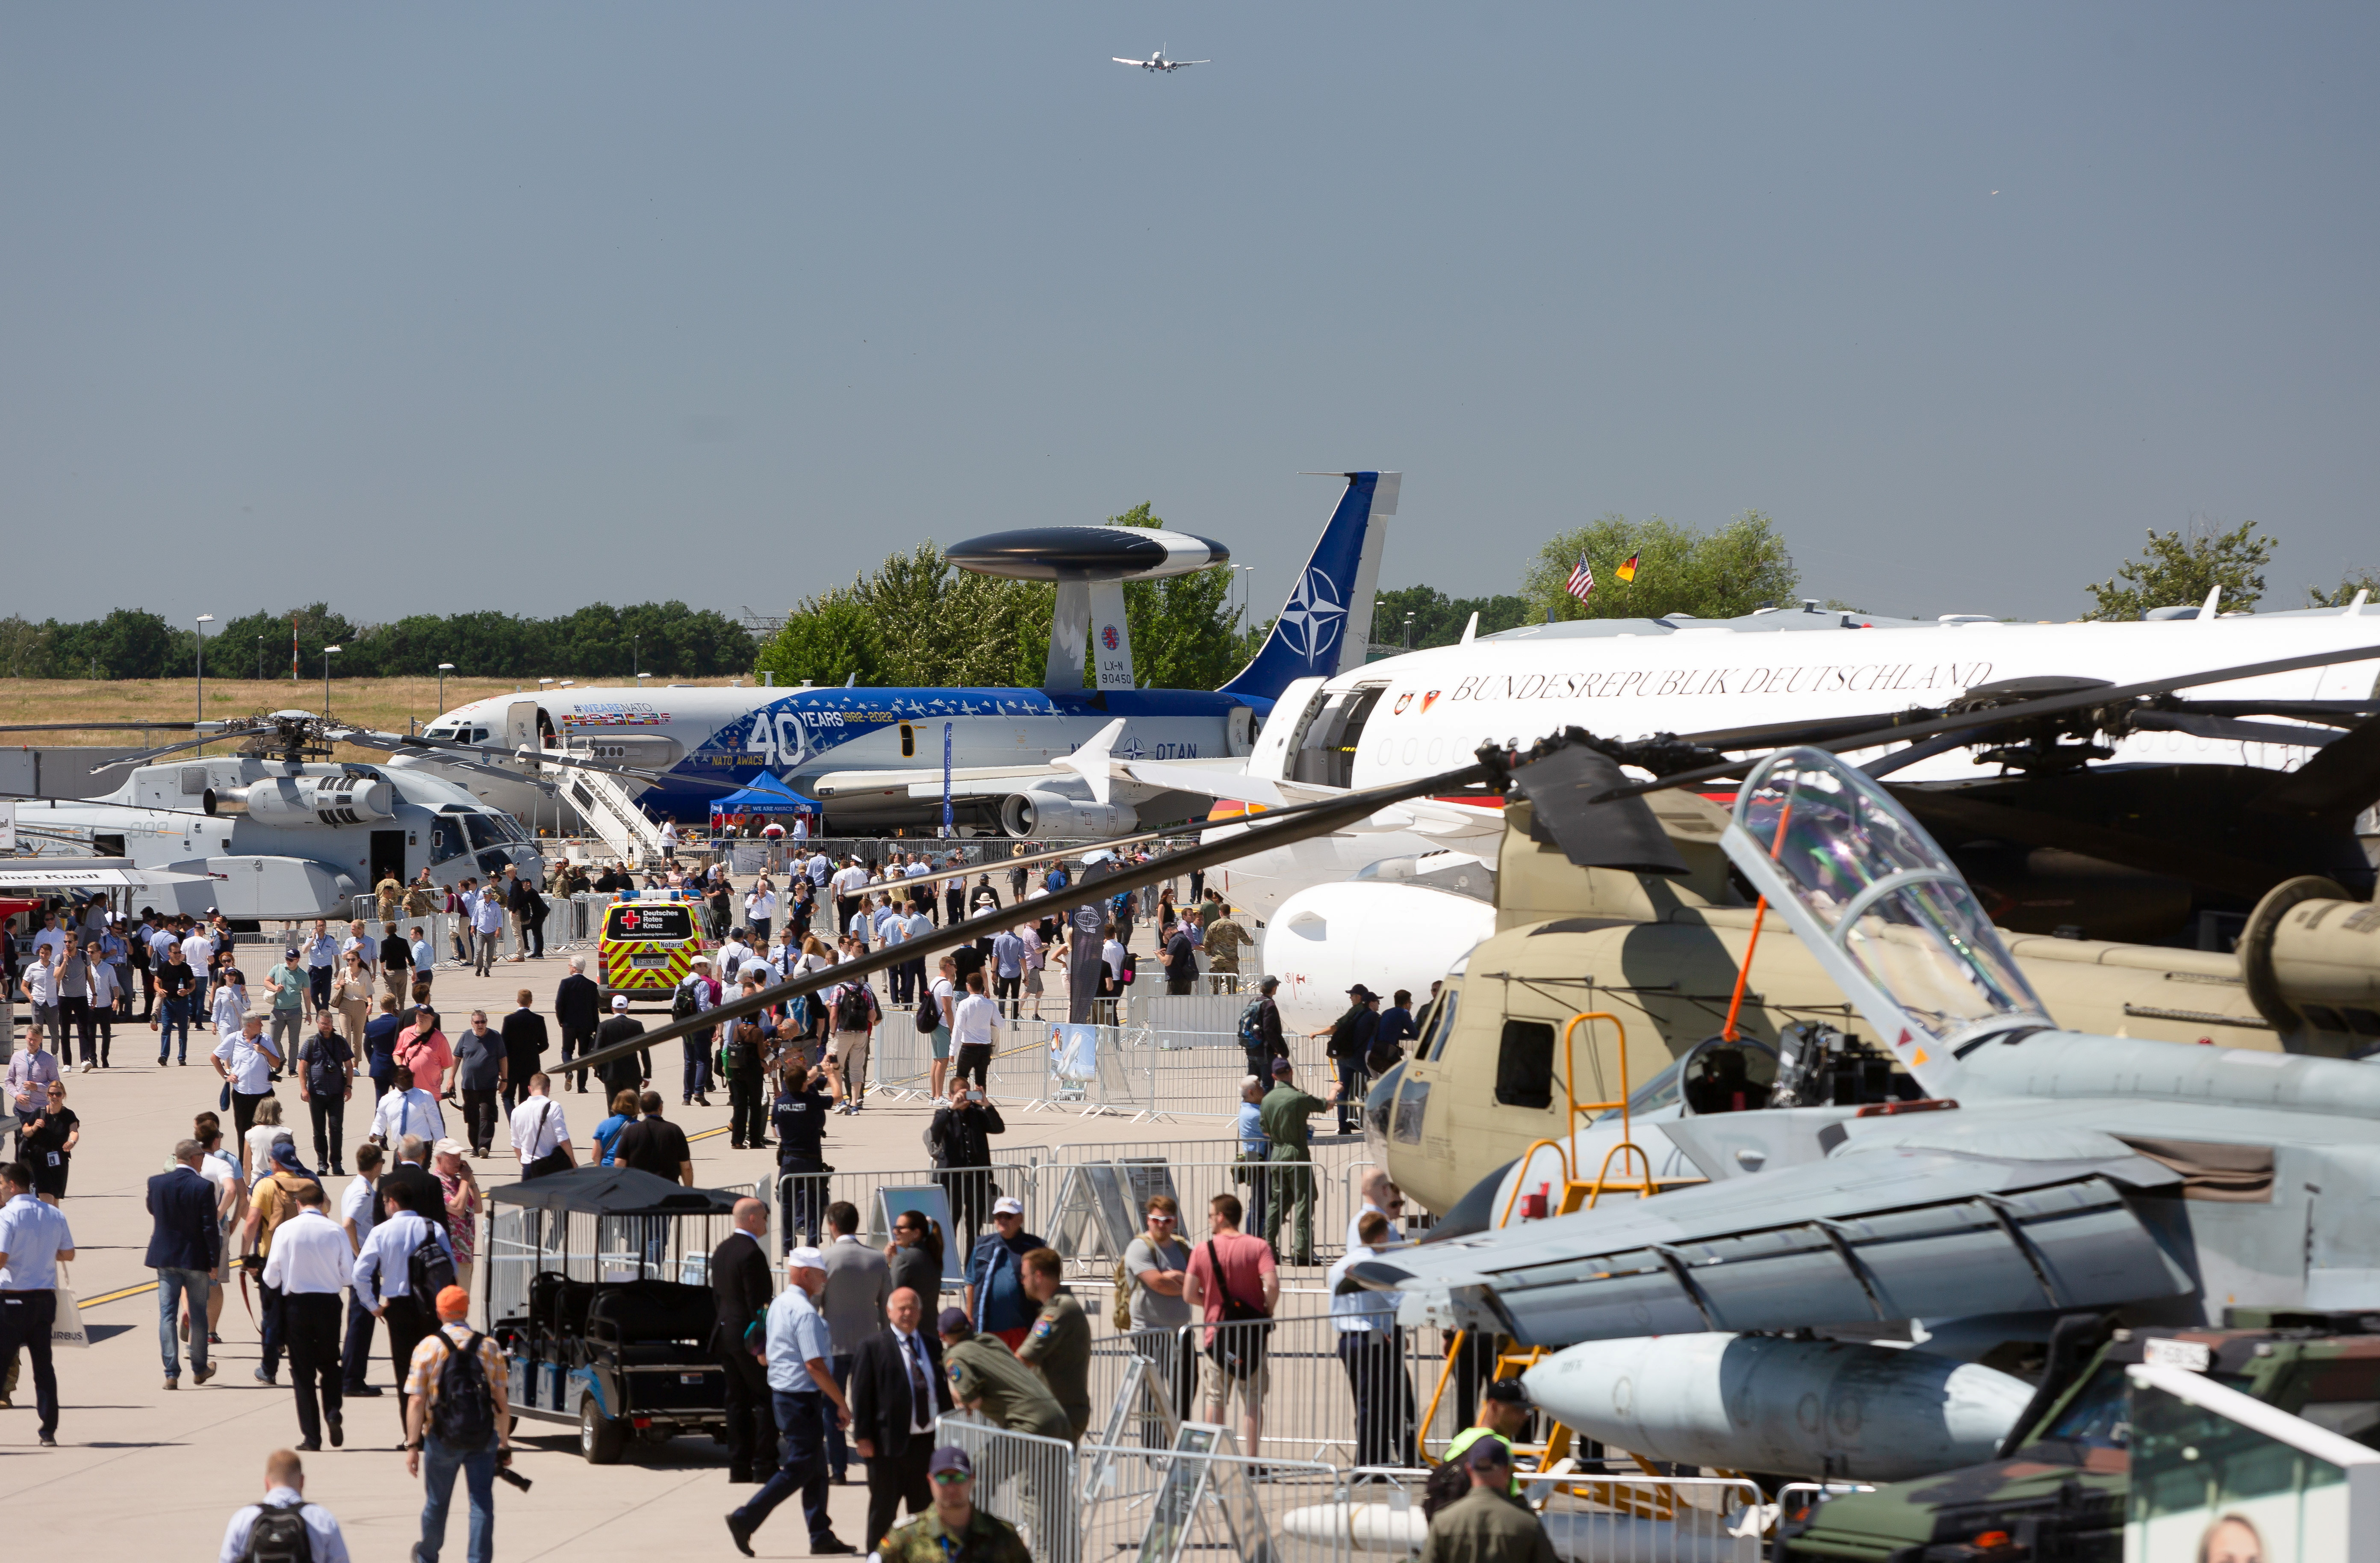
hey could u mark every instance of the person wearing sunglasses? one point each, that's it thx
(956, 1528)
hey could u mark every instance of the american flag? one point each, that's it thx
(1581, 580)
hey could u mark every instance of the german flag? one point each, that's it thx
(1628, 571)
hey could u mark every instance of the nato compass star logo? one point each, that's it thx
(1311, 622)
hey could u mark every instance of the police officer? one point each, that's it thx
(800, 1115)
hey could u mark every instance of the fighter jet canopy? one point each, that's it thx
(1884, 896)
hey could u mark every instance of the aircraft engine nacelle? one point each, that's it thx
(1383, 934)
(1799, 1408)
(309, 800)
(1038, 814)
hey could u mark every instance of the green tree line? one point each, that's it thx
(919, 620)
(668, 640)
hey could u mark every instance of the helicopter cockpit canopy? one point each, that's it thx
(1894, 921)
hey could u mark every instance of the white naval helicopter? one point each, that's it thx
(269, 833)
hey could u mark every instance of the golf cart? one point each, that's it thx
(598, 1287)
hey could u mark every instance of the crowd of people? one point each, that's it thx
(851, 1361)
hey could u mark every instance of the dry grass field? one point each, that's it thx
(391, 704)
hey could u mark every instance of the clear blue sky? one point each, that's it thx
(436, 307)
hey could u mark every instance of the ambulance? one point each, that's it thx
(648, 943)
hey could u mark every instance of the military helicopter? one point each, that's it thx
(280, 830)
(2030, 1172)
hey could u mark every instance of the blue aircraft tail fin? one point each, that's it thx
(1325, 627)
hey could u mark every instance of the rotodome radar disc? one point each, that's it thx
(1087, 553)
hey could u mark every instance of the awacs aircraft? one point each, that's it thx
(2180, 796)
(2041, 1173)
(874, 758)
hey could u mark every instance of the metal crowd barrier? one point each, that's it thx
(1028, 1481)
(802, 1199)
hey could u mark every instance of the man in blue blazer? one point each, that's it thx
(183, 1243)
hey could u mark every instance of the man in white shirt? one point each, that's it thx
(972, 1024)
(1035, 958)
(761, 910)
(322, 955)
(247, 1060)
(1382, 1197)
(848, 885)
(40, 986)
(51, 937)
(487, 926)
(801, 827)
(198, 949)
(540, 1135)
(668, 840)
(407, 1110)
(33, 1238)
(384, 1277)
(285, 1488)
(733, 953)
(308, 1264)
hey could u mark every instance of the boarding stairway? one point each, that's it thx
(609, 812)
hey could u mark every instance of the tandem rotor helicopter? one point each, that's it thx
(280, 830)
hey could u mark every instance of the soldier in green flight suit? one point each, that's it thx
(956, 1531)
(1283, 1113)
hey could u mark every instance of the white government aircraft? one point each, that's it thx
(1159, 61)
(1404, 896)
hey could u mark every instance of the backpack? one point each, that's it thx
(851, 1007)
(930, 1013)
(1237, 1352)
(728, 967)
(682, 1005)
(463, 1415)
(1252, 1025)
(428, 1269)
(279, 1534)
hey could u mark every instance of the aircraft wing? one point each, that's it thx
(1121, 60)
(1912, 1225)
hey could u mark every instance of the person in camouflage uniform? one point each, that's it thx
(956, 1531)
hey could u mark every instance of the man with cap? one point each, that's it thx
(1260, 1036)
(1503, 1415)
(956, 1531)
(1283, 1113)
(1487, 1524)
(1351, 1038)
(432, 1376)
(986, 1376)
(698, 994)
(800, 1353)
(996, 1299)
(631, 1071)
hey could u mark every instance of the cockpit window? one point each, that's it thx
(483, 830)
(1886, 896)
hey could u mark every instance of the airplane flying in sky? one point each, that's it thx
(875, 758)
(1159, 61)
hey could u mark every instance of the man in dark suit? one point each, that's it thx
(429, 1194)
(630, 1071)
(182, 1242)
(523, 1034)
(897, 1390)
(740, 1284)
(578, 1007)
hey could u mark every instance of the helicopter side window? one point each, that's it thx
(1441, 1025)
(445, 839)
(1524, 1065)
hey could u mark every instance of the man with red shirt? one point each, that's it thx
(1231, 1277)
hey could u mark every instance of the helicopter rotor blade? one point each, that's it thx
(123, 761)
(1970, 721)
